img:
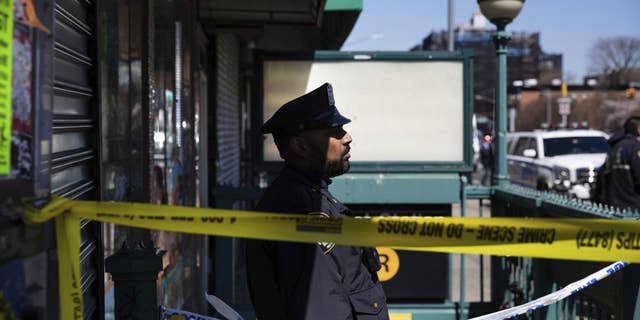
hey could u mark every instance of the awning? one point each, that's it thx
(338, 20)
(283, 24)
(258, 12)
(343, 5)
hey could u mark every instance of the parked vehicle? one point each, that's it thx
(564, 160)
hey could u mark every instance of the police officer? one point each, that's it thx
(618, 180)
(311, 281)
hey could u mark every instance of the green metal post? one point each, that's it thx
(554, 308)
(501, 38)
(481, 259)
(450, 295)
(463, 209)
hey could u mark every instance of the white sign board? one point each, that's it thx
(401, 111)
(564, 106)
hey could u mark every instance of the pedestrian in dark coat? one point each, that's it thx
(486, 157)
(311, 281)
(618, 179)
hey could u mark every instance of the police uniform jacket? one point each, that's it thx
(619, 178)
(310, 281)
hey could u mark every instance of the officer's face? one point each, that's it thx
(330, 148)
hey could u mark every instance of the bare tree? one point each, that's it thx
(614, 58)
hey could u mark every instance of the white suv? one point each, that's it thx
(562, 160)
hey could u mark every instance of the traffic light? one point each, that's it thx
(631, 93)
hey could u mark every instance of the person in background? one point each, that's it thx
(486, 158)
(618, 179)
(158, 193)
(177, 179)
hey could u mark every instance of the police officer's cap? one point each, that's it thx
(314, 110)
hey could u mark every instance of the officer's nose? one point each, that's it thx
(347, 139)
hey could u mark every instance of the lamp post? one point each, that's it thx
(501, 13)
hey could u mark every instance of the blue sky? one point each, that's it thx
(569, 27)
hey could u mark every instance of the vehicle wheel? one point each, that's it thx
(542, 185)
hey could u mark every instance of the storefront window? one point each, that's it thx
(122, 152)
(173, 152)
(148, 141)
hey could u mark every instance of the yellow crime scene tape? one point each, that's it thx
(555, 238)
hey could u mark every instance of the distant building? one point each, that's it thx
(525, 60)
(601, 80)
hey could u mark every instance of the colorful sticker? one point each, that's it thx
(6, 38)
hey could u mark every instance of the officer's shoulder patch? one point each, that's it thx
(325, 246)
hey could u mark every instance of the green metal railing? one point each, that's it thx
(518, 280)
(542, 203)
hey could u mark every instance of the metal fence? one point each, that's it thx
(516, 280)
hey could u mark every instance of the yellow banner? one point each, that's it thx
(6, 64)
(555, 238)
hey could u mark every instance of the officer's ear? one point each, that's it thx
(299, 146)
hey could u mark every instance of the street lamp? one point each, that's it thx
(501, 13)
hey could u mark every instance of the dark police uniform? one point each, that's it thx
(618, 181)
(310, 281)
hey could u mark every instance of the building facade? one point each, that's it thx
(525, 59)
(138, 101)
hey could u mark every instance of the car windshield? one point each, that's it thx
(574, 145)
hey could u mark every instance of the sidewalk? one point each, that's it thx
(477, 268)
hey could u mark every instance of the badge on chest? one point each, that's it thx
(326, 247)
